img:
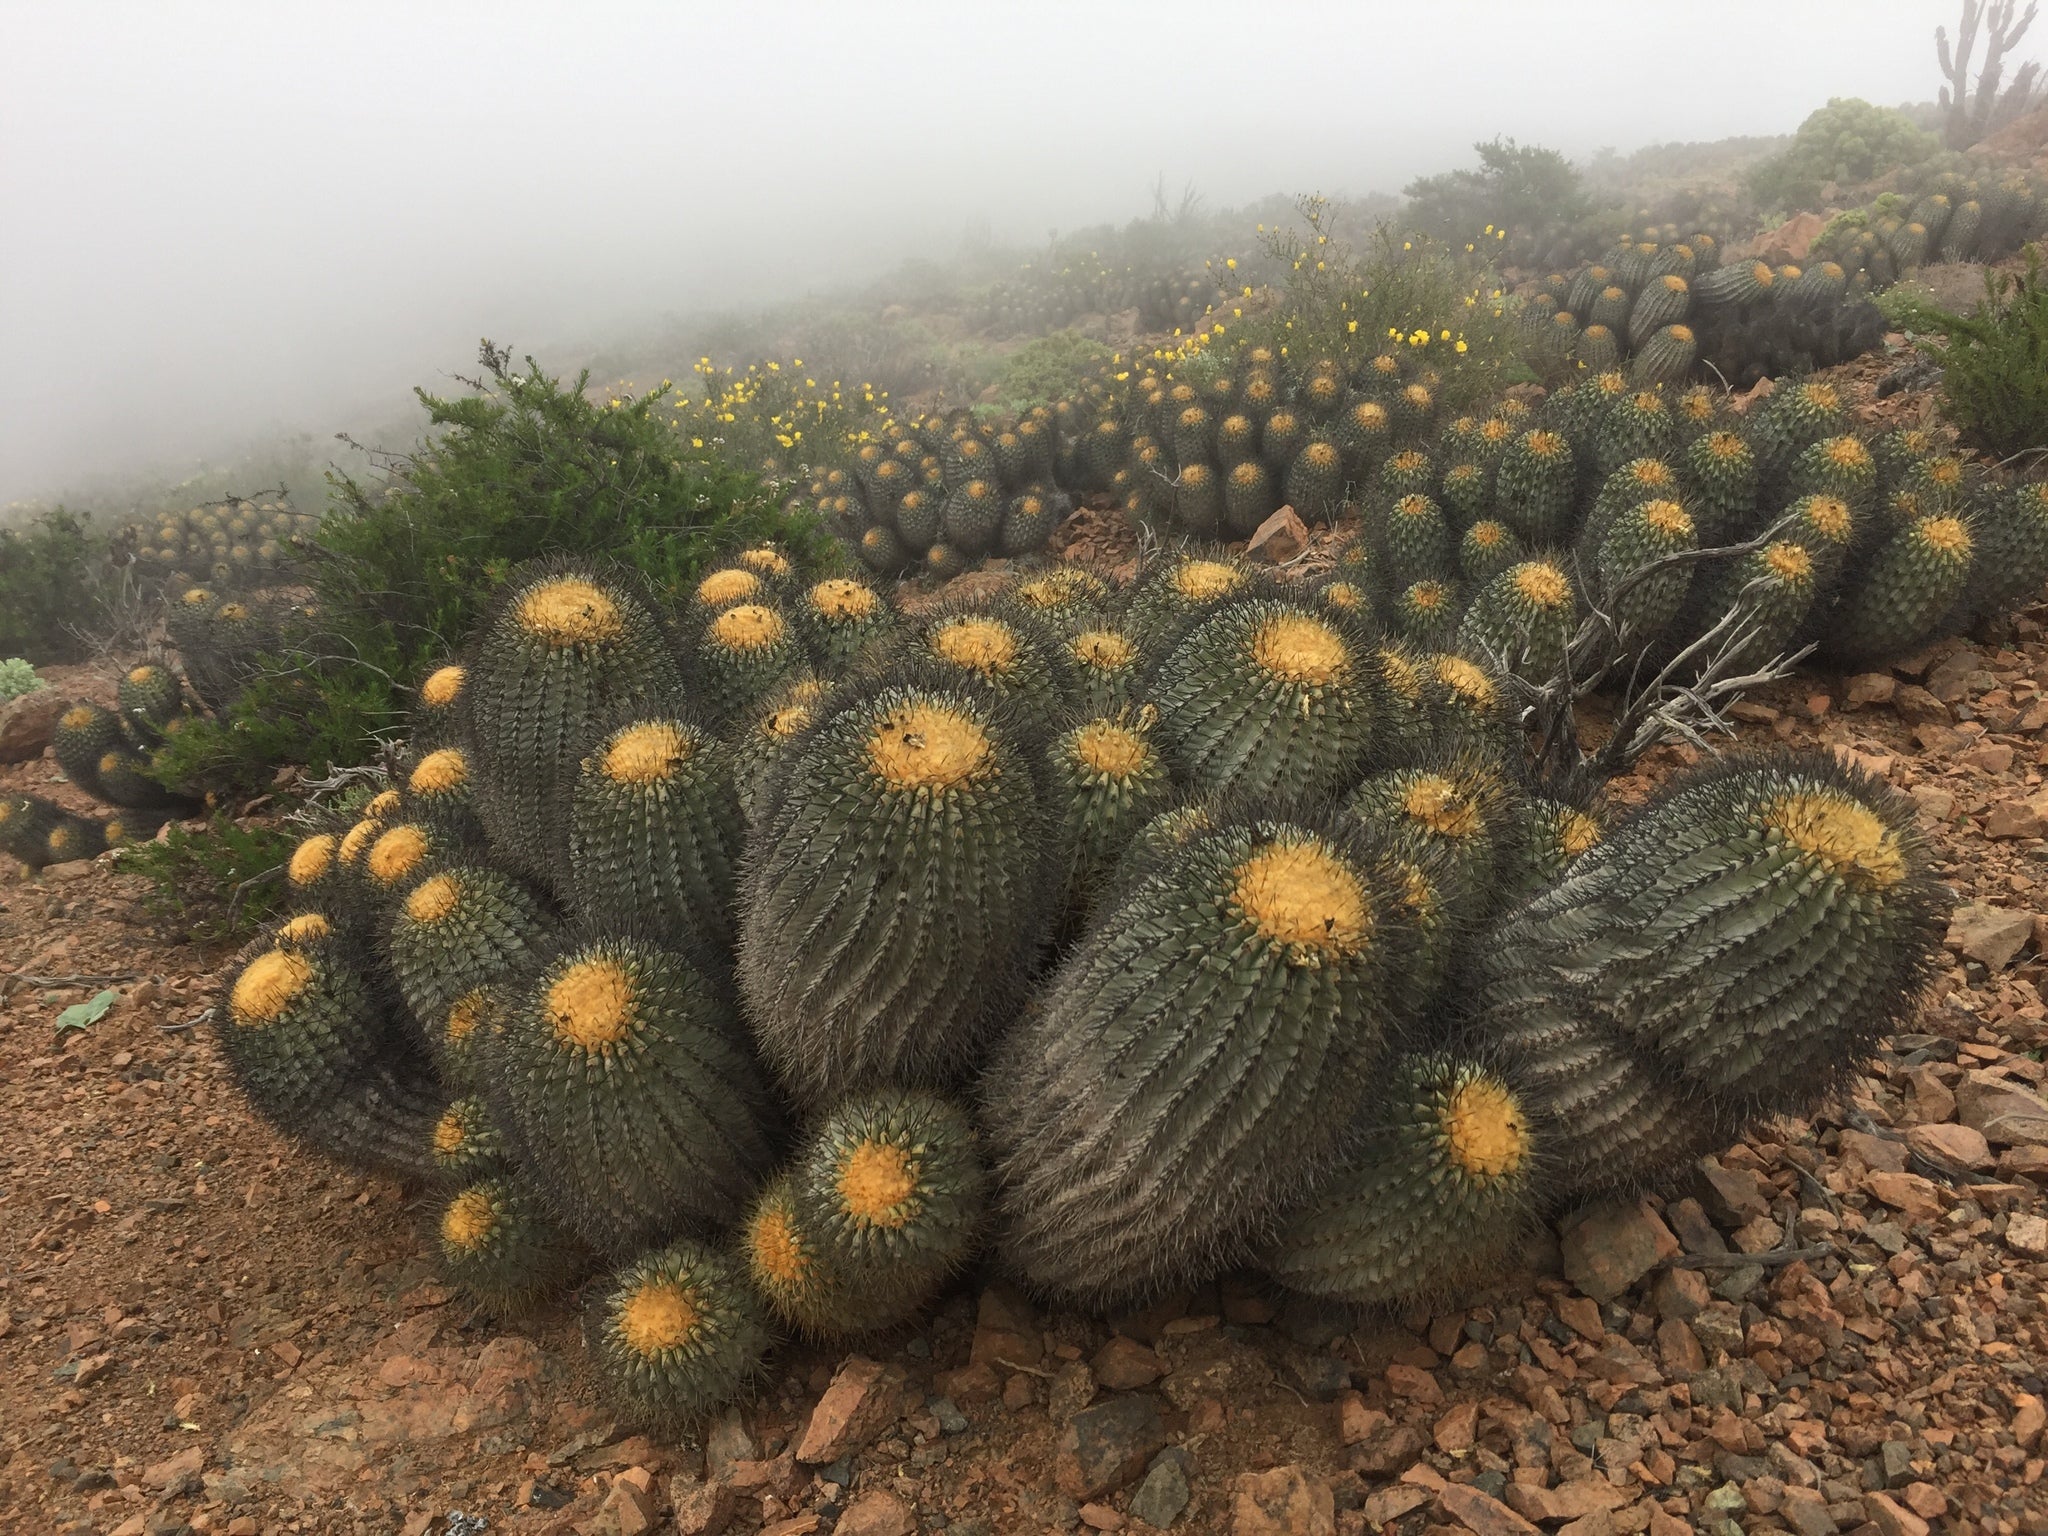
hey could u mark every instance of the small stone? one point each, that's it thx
(2029, 1418)
(727, 1443)
(1733, 1195)
(1387, 1450)
(1992, 936)
(2006, 1113)
(1100, 1517)
(1892, 1519)
(1907, 1193)
(1481, 1513)
(1916, 706)
(1162, 1495)
(1871, 688)
(1005, 1331)
(1610, 1246)
(1962, 1146)
(1807, 1512)
(1285, 1501)
(631, 1507)
(1072, 1389)
(1678, 1349)
(702, 1509)
(1929, 1096)
(173, 1470)
(1925, 1500)
(1457, 1430)
(864, 1399)
(1759, 1236)
(2027, 1236)
(879, 1513)
(1123, 1365)
(950, 1418)
(1679, 1293)
(28, 722)
(1108, 1445)
(1414, 1383)
(1279, 538)
(1581, 1314)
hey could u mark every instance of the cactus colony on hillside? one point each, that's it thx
(1124, 937)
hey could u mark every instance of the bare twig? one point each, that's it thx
(1770, 1260)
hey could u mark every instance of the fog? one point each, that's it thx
(221, 222)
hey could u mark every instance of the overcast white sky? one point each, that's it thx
(219, 220)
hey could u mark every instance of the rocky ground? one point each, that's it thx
(1834, 1326)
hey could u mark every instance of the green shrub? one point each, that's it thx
(1848, 140)
(16, 678)
(320, 719)
(1525, 196)
(222, 884)
(1994, 381)
(49, 582)
(1050, 368)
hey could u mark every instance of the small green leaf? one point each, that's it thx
(80, 1015)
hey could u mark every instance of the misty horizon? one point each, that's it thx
(227, 224)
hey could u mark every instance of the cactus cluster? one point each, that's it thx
(231, 545)
(1119, 935)
(1939, 217)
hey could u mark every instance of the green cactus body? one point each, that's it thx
(1408, 473)
(69, 838)
(1466, 494)
(1791, 421)
(882, 552)
(918, 516)
(1183, 586)
(124, 779)
(25, 825)
(1720, 482)
(972, 518)
(1778, 587)
(794, 1274)
(842, 619)
(1426, 612)
(299, 1025)
(741, 655)
(1696, 412)
(1837, 466)
(1596, 348)
(892, 1190)
(1247, 497)
(1736, 283)
(1611, 308)
(1826, 527)
(1939, 481)
(1754, 930)
(1643, 607)
(1315, 481)
(1536, 487)
(493, 1239)
(655, 836)
(1104, 780)
(1010, 653)
(1443, 1183)
(677, 1335)
(1237, 439)
(1664, 301)
(1457, 816)
(438, 706)
(1586, 287)
(1194, 1061)
(1419, 542)
(1522, 620)
(1488, 547)
(86, 733)
(1638, 426)
(896, 894)
(1916, 577)
(622, 1082)
(460, 928)
(1550, 836)
(1666, 358)
(2012, 550)
(150, 697)
(727, 587)
(755, 743)
(1636, 482)
(1027, 523)
(966, 458)
(1281, 439)
(1198, 500)
(1267, 695)
(1366, 435)
(566, 647)
(465, 1145)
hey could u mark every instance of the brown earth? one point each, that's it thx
(1834, 1326)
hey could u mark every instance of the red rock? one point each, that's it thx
(1123, 1365)
(1005, 1331)
(969, 1384)
(1679, 1293)
(2006, 1113)
(1279, 538)
(1734, 1195)
(1916, 706)
(702, 1509)
(1610, 1246)
(629, 1509)
(1877, 1153)
(1457, 1430)
(1286, 1501)
(1355, 1421)
(1890, 1519)
(1930, 1097)
(864, 1399)
(1678, 1349)
(1872, 688)
(28, 722)
(795, 1525)
(1962, 1145)
(879, 1513)
(2027, 1236)
(1993, 936)
(1925, 1500)
(2029, 1418)
(1907, 1193)
(1573, 1500)
(1107, 1446)
(2024, 1162)
(1390, 1503)
(1414, 1383)
(1480, 1514)
(1581, 1314)
(1806, 1512)
(1100, 1517)
(173, 1470)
